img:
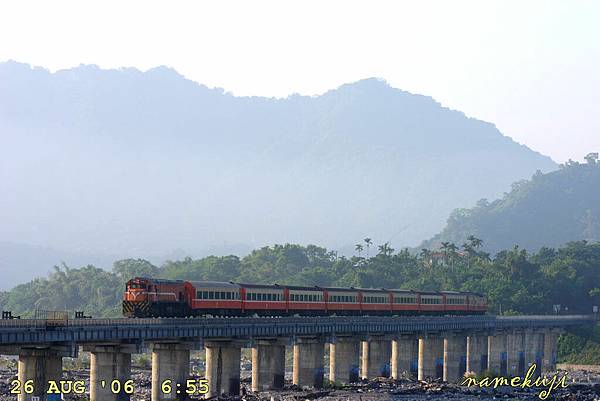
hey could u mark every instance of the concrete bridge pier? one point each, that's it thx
(431, 356)
(107, 364)
(455, 354)
(41, 366)
(170, 361)
(476, 353)
(344, 358)
(533, 347)
(223, 367)
(308, 362)
(514, 353)
(549, 360)
(376, 356)
(405, 349)
(497, 353)
(268, 365)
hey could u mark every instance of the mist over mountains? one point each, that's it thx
(548, 210)
(142, 164)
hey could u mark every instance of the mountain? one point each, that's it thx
(19, 262)
(121, 161)
(547, 210)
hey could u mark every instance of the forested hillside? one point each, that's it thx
(547, 210)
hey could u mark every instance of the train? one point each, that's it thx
(149, 297)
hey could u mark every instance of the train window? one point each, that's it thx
(228, 295)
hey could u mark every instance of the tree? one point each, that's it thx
(127, 269)
(426, 259)
(591, 158)
(358, 248)
(474, 241)
(385, 249)
(368, 241)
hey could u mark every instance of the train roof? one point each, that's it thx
(304, 288)
(342, 289)
(233, 285)
(215, 284)
(264, 286)
(159, 280)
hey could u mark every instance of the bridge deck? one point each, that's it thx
(32, 332)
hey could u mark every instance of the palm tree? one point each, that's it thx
(474, 241)
(358, 248)
(449, 250)
(368, 241)
(426, 258)
(385, 249)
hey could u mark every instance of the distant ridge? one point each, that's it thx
(123, 161)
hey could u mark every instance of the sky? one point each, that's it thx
(530, 67)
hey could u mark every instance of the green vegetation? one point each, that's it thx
(548, 210)
(514, 280)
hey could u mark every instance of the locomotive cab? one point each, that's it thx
(146, 297)
(135, 298)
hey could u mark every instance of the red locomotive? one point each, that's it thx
(147, 297)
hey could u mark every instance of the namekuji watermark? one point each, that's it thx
(549, 383)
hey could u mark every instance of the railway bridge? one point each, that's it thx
(359, 347)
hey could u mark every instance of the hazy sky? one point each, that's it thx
(530, 67)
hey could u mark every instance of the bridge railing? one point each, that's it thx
(486, 320)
